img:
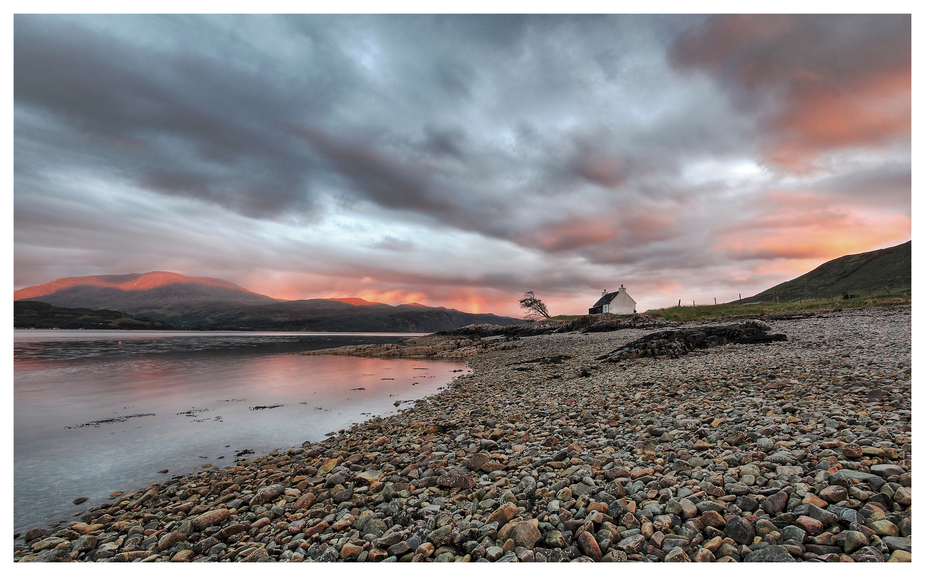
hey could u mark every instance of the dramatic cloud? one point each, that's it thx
(825, 81)
(460, 160)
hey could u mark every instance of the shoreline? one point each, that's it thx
(794, 450)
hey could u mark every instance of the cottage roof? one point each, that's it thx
(608, 297)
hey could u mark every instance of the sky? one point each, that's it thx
(460, 160)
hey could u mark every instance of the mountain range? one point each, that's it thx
(157, 299)
(199, 303)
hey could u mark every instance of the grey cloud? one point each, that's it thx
(220, 131)
(806, 74)
(445, 141)
(393, 244)
(885, 185)
(385, 180)
(566, 136)
(205, 129)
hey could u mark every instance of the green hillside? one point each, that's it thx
(883, 272)
(35, 314)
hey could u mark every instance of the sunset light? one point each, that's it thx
(463, 287)
(689, 157)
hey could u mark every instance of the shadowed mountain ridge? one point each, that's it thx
(211, 304)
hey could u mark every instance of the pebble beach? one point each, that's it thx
(790, 451)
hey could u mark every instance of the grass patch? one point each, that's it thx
(565, 318)
(689, 313)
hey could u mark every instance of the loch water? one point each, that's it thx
(96, 412)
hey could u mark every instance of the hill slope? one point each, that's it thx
(35, 314)
(880, 272)
(126, 291)
(210, 304)
(314, 315)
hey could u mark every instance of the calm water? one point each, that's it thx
(97, 411)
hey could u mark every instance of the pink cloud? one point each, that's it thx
(801, 226)
(817, 83)
(569, 234)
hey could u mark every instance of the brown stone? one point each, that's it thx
(86, 528)
(900, 556)
(131, 556)
(316, 529)
(632, 544)
(370, 476)
(713, 518)
(588, 545)
(503, 514)
(852, 451)
(182, 556)
(350, 551)
(267, 494)
(476, 461)
(703, 555)
(812, 526)
(527, 534)
(454, 479)
(811, 498)
(255, 555)
(834, 494)
(211, 518)
(345, 522)
(47, 543)
(305, 501)
(229, 531)
(170, 540)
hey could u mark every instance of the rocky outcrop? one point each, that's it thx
(431, 346)
(676, 343)
(477, 339)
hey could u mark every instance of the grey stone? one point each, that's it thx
(772, 553)
(898, 543)
(794, 533)
(868, 554)
(740, 530)
(886, 470)
(854, 540)
(824, 516)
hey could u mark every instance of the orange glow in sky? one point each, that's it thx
(685, 156)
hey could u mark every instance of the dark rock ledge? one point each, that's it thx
(682, 341)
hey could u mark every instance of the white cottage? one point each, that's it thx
(618, 302)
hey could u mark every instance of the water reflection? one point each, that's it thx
(90, 424)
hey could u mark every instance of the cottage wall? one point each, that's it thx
(621, 304)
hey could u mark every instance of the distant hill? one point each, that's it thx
(210, 304)
(129, 291)
(880, 272)
(34, 314)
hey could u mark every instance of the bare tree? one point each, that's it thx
(535, 308)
